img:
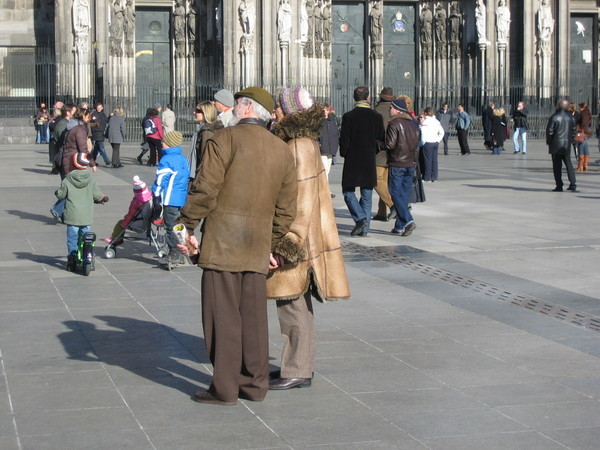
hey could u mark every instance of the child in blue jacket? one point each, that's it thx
(171, 186)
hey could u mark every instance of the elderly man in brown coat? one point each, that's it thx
(246, 192)
(321, 270)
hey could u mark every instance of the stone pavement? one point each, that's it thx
(481, 330)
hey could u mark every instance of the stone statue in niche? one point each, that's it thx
(247, 16)
(117, 28)
(545, 22)
(502, 21)
(303, 22)
(191, 26)
(318, 28)
(327, 22)
(129, 28)
(376, 28)
(284, 21)
(426, 20)
(81, 25)
(440, 23)
(455, 25)
(480, 21)
(179, 27)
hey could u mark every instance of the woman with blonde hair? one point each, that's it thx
(498, 130)
(205, 117)
(116, 132)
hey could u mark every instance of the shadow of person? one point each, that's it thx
(147, 349)
(30, 216)
(43, 259)
(42, 171)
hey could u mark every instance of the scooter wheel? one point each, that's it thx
(87, 268)
(110, 253)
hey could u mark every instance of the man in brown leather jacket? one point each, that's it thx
(245, 195)
(402, 145)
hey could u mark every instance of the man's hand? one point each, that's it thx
(275, 261)
(191, 246)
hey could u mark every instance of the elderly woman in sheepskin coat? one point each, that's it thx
(321, 271)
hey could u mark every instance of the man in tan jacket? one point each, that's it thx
(246, 192)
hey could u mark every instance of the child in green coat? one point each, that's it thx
(80, 191)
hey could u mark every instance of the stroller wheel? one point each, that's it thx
(170, 266)
(110, 253)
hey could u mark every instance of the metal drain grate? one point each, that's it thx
(355, 252)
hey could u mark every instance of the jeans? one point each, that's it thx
(582, 149)
(43, 133)
(359, 209)
(523, 133)
(99, 149)
(400, 184)
(430, 161)
(59, 208)
(497, 150)
(73, 232)
(170, 216)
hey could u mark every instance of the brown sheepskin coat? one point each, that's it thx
(321, 268)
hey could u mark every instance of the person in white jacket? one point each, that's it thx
(432, 134)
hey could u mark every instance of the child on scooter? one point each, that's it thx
(80, 191)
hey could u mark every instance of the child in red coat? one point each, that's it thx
(141, 195)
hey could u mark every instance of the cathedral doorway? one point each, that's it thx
(399, 71)
(152, 58)
(348, 68)
(583, 64)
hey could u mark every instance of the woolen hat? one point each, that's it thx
(226, 97)
(293, 100)
(138, 185)
(259, 95)
(387, 93)
(81, 160)
(157, 105)
(173, 139)
(400, 104)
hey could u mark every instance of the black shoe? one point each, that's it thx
(139, 159)
(573, 188)
(359, 227)
(281, 384)
(516, 151)
(380, 218)
(332, 195)
(557, 189)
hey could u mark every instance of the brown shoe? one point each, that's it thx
(281, 384)
(207, 397)
(408, 229)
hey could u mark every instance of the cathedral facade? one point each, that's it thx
(134, 53)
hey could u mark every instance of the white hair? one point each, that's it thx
(260, 111)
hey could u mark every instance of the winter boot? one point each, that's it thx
(579, 163)
(72, 262)
(586, 160)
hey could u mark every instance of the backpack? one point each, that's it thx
(149, 127)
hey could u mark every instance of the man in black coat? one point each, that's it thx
(486, 123)
(98, 125)
(361, 132)
(559, 137)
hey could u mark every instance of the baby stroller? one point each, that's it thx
(142, 223)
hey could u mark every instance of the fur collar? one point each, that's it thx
(305, 124)
(213, 126)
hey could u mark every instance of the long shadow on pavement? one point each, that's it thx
(148, 349)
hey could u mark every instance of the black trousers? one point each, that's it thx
(557, 161)
(463, 141)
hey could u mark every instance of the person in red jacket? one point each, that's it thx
(141, 195)
(153, 130)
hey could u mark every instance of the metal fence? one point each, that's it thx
(28, 76)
